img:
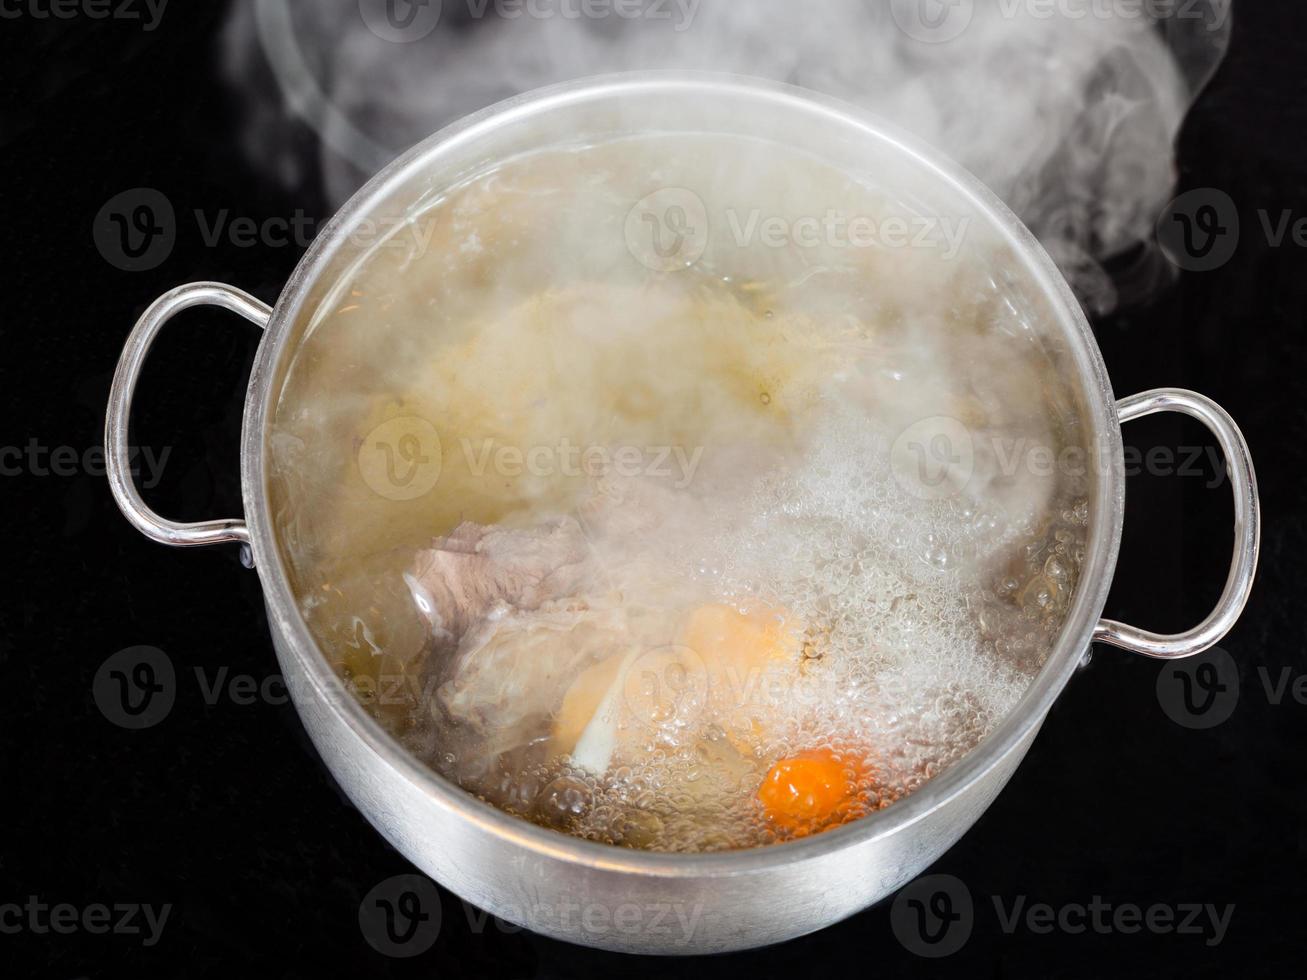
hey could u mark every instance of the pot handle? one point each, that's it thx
(117, 452)
(1247, 530)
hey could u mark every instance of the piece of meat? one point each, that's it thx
(512, 669)
(466, 575)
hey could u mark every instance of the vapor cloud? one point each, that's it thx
(1068, 110)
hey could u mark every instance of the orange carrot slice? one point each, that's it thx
(807, 792)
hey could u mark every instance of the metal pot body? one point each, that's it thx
(604, 905)
(577, 890)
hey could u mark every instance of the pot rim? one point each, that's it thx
(1019, 724)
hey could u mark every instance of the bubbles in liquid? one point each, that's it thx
(836, 561)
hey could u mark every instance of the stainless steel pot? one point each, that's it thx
(590, 893)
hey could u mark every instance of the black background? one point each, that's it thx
(224, 811)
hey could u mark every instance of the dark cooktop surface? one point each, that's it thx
(1143, 836)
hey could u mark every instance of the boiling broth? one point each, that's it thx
(683, 492)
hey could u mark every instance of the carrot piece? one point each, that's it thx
(808, 792)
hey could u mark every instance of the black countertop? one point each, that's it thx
(223, 813)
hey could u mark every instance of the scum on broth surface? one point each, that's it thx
(793, 381)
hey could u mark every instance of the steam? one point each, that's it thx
(1068, 110)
